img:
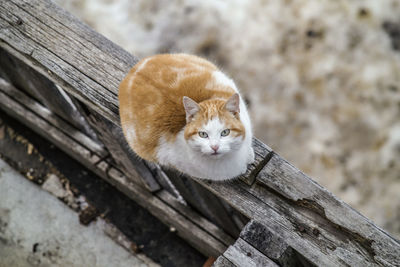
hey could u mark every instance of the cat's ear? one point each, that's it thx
(232, 104)
(191, 108)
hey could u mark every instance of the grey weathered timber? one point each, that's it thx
(321, 217)
(25, 78)
(272, 245)
(44, 112)
(194, 216)
(164, 181)
(198, 231)
(66, 51)
(281, 201)
(304, 224)
(223, 262)
(243, 254)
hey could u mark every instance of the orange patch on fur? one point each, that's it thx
(215, 108)
(151, 95)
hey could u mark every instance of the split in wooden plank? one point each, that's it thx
(262, 154)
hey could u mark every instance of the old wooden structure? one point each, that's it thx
(61, 78)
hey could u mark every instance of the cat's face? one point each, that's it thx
(213, 127)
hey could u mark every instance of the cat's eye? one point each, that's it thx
(225, 132)
(203, 134)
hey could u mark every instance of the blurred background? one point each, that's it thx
(321, 78)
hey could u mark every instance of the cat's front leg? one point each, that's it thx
(250, 155)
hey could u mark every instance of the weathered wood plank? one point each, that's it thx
(238, 195)
(42, 111)
(243, 254)
(324, 214)
(202, 234)
(47, 38)
(74, 149)
(223, 262)
(272, 245)
(304, 225)
(205, 202)
(195, 217)
(196, 236)
(23, 77)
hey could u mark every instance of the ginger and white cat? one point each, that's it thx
(180, 111)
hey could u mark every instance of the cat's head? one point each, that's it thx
(213, 127)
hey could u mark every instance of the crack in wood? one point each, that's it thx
(363, 244)
(259, 167)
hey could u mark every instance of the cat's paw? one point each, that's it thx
(250, 156)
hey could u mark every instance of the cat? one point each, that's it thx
(180, 111)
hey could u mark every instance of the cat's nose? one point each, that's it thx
(215, 147)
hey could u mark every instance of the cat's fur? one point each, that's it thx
(166, 100)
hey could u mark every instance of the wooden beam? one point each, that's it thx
(44, 112)
(66, 51)
(223, 262)
(272, 245)
(310, 219)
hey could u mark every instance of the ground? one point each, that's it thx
(36, 229)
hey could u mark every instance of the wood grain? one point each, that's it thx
(112, 137)
(25, 78)
(304, 223)
(223, 262)
(243, 254)
(65, 50)
(272, 245)
(204, 201)
(52, 118)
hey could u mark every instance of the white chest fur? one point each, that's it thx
(180, 156)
